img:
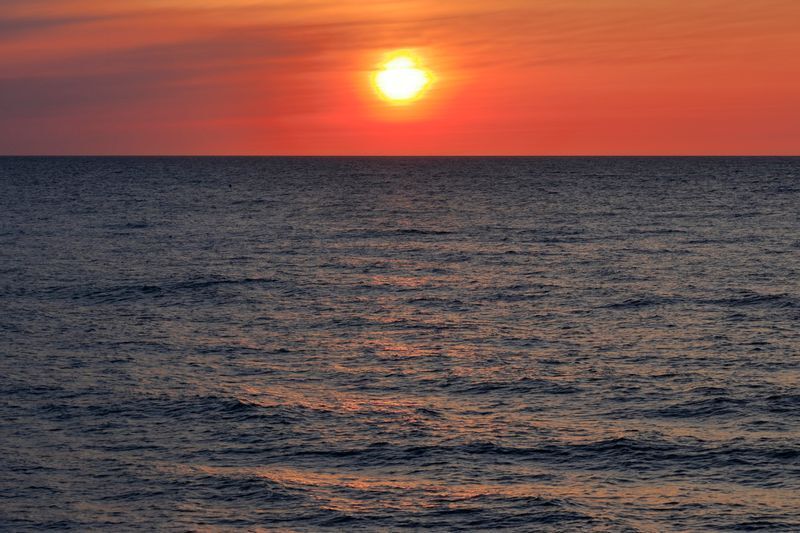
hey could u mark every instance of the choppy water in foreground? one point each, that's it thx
(532, 344)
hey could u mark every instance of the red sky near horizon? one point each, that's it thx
(534, 77)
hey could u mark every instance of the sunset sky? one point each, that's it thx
(294, 77)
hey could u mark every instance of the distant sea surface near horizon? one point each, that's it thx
(532, 344)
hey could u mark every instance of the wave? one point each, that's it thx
(178, 409)
(723, 404)
(641, 302)
(399, 232)
(748, 299)
(745, 299)
(126, 292)
(646, 453)
(705, 408)
(521, 386)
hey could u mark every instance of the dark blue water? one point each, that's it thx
(459, 344)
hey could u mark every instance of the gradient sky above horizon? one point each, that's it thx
(267, 77)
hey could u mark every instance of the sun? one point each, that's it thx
(401, 79)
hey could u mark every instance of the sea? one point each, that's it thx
(391, 344)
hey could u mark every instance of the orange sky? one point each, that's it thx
(292, 77)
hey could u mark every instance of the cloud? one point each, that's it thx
(14, 28)
(216, 66)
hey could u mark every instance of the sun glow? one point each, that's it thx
(401, 80)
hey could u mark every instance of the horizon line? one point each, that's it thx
(397, 155)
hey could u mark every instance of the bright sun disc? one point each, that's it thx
(401, 80)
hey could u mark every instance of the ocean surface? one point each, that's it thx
(460, 344)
